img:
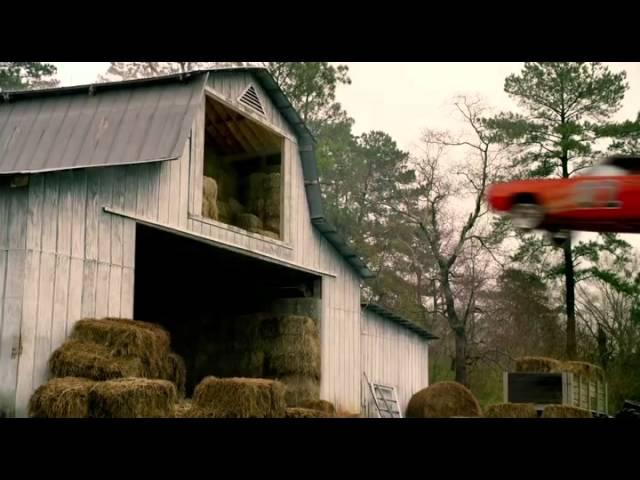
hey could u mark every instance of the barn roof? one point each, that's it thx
(69, 127)
(395, 318)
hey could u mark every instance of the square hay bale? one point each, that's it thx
(224, 212)
(272, 195)
(565, 411)
(583, 369)
(443, 400)
(66, 397)
(511, 410)
(183, 409)
(129, 338)
(272, 224)
(537, 365)
(210, 209)
(235, 207)
(297, 412)
(290, 355)
(275, 326)
(133, 398)
(91, 360)
(177, 373)
(239, 398)
(300, 390)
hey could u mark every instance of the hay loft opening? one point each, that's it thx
(230, 315)
(242, 171)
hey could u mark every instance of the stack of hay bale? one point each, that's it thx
(112, 368)
(264, 202)
(263, 345)
(210, 207)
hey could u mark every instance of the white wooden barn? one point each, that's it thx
(99, 185)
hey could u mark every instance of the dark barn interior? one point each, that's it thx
(207, 297)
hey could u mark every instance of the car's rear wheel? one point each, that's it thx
(526, 215)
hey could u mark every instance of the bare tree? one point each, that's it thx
(432, 208)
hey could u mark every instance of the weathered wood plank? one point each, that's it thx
(74, 305)
(117, 222)
(89, 282)
(65, 213)
(104, 219)
(196, 170)
(50, 214)
(60, 301)
(92, 214)
(184, 183)
(164, 195)
(78, 216)
(174, 188)
(115, 291)
(17, 225)
(45, 316)
(126, 303)
(4, 217)
(28, 331)
(102, 290)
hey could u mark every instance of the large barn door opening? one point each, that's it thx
(229, 314)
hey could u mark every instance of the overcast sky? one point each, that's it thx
(403, 99)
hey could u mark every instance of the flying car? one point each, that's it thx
(603, 198)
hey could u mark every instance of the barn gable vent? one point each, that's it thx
(250, 99)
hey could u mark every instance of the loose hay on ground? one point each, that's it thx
(66, 397)
(240, 398)
(296, 412)
(443, 399)
(565, 411)
(132, 398)
(90, 360)
(183, 409)
(147, 341)
(322, 405)
(511, 410)
(536, 365)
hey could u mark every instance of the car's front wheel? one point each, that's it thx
(526, 215)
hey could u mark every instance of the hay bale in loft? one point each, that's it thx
(235, 207)
(129, 338)
(133, 398)
(210, 189)
(300, 390)
(442, 400)
(272, 196)
(177, 373)
(583, 369)
(224, 212)
(248, 221)
(297, 412)
(239, 398)
(321, 405)
(511, 410)
(272, 224)
(565, 411)
(91, 360)
(537, 365)
(210, 209)
(267, 233)
(66, 397)
(275, 326)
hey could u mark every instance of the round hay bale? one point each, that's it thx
(511, 410)
(442, 400)
(149, 342)
(240, 398)
(536, 365)
(565, 411)
(210, 189)
(322, 405)
(249, 222)
(297, 412)
(300, 390)
(91, 360)
(177, 373)
(583, 369)
(66, 397)
(133, 398)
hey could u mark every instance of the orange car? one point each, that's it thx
(605, 198)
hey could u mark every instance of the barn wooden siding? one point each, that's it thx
(392, 355)
(63, 258)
